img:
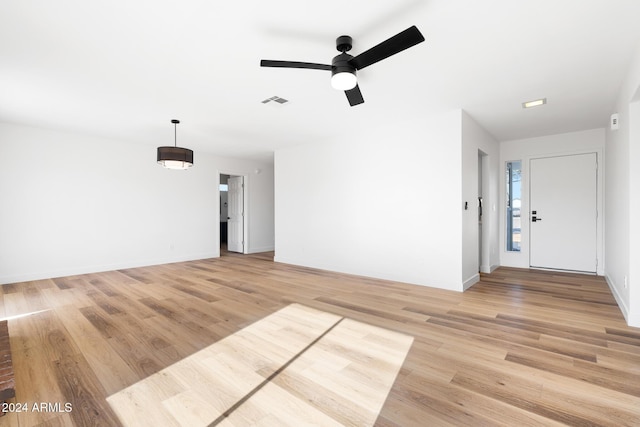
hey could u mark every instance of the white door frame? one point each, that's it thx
(599, 202)
(487, 214)
(247, 207)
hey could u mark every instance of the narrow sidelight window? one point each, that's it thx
(514, 170)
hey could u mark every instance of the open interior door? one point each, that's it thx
(235, 214)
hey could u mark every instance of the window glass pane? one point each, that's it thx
(224, 187)
(514, 204)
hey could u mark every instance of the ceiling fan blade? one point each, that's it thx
(354, 96)
(294, 64)
(401, 41)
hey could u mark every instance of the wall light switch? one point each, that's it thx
(615, 121)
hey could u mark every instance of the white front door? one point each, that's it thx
(563, 212)
(235, 215)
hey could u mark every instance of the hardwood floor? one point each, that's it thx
(519, 348)
(269, 371)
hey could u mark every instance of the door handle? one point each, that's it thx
(535, 219)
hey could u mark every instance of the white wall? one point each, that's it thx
(383, 202)
(475, 138)
(72, 204)
(622, 201)
(527, 149)
(633, 283)
(260, 205)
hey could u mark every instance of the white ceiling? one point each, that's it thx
(124, 69)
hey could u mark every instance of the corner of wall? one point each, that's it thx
(479, 241)
(622, 203)
(622, 304)
(470, 281)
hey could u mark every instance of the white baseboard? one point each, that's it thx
(488, 270)
(470, 281)
(73, 271)
(621, 303)
(261, 249)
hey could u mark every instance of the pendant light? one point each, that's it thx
(175, 157)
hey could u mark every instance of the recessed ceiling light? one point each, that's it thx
(535, 103)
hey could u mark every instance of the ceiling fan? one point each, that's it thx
(344, 66)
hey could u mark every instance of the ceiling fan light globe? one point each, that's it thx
(344, 81)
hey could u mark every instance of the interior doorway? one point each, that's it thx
(232, 214)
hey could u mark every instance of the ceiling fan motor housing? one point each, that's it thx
(340, 64)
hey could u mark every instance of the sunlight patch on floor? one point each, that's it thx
(296, 366)
(18, 316)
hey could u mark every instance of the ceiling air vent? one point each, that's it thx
(275, 99)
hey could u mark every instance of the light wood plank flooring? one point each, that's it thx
(347, 368)
(519, 348)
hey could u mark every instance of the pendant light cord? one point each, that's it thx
(175, 135)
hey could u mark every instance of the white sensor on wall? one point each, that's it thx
(615, 121)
